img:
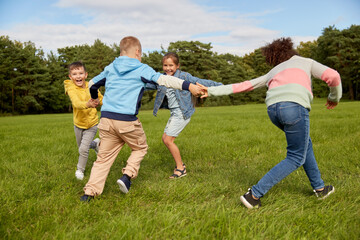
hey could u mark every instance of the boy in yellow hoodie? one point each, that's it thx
(85, 114)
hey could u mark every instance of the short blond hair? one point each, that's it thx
(128, 44)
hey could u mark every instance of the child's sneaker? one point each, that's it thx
(97, 141)
(124, 183)
(325, 192)
(79, 174)
(249, 201)
(86, 198)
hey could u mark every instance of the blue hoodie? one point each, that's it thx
(124, 80)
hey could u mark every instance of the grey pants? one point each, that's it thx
(84, 140)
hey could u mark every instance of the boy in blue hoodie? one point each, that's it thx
(124, 80)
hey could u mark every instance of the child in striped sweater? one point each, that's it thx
(288, 104)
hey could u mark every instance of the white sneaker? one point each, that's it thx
(97, 140)
(79, 174)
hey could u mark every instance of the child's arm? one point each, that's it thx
(332, 79)
(245, 86)
(176, 83)
(95, 84)
(204, 82)
(151, 86)
(76, 101)
(208, 83)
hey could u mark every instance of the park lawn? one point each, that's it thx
(226, 150)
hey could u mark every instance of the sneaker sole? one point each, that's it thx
(178, 176)
(122, 186)
(246, 203)
(333, 190)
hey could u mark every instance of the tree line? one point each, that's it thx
(32, 83)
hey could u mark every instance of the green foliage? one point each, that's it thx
(154, 59)
(307, 49)
(341, 51)
(226, 150)
(33, 83)
(196, 58)
(25, 79)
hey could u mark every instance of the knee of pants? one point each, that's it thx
(83, 150)
(297, 160)
(145, 149)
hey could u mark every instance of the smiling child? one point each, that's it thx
(85, 114)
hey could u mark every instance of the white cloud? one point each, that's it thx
(298, 39)
(156, 23)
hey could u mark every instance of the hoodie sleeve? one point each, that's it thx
(94, 86)
(70, 90)
(100, 96)
(149, 75)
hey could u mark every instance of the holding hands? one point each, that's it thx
(93, 103)
(204, 92)
(198, 90)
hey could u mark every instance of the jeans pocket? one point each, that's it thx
(290, 113)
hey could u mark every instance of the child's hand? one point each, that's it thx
(204, 92)
(195, 90)
(330, 105)
(96, 101)
(93, 103)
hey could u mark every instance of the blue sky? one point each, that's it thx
(231, 26)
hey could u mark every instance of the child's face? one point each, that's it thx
(78, 76)
(169, 66)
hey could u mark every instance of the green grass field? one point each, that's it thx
(226, 150)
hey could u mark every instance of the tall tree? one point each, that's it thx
(24, 77)
(9, 53)
(341, 51)
(98, 57)
(196, 58)
(307, 49)
(58, 73)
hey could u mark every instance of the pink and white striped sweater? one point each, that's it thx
(289, 81)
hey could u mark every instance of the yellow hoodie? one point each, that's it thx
(84, 117)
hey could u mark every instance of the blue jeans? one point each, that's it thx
(293, 119)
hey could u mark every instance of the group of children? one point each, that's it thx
(125, 80)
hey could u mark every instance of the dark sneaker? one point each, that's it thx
(124, 183)
(249, 201)
(86, 198)
(325, 192)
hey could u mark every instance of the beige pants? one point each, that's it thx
(114, 134)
